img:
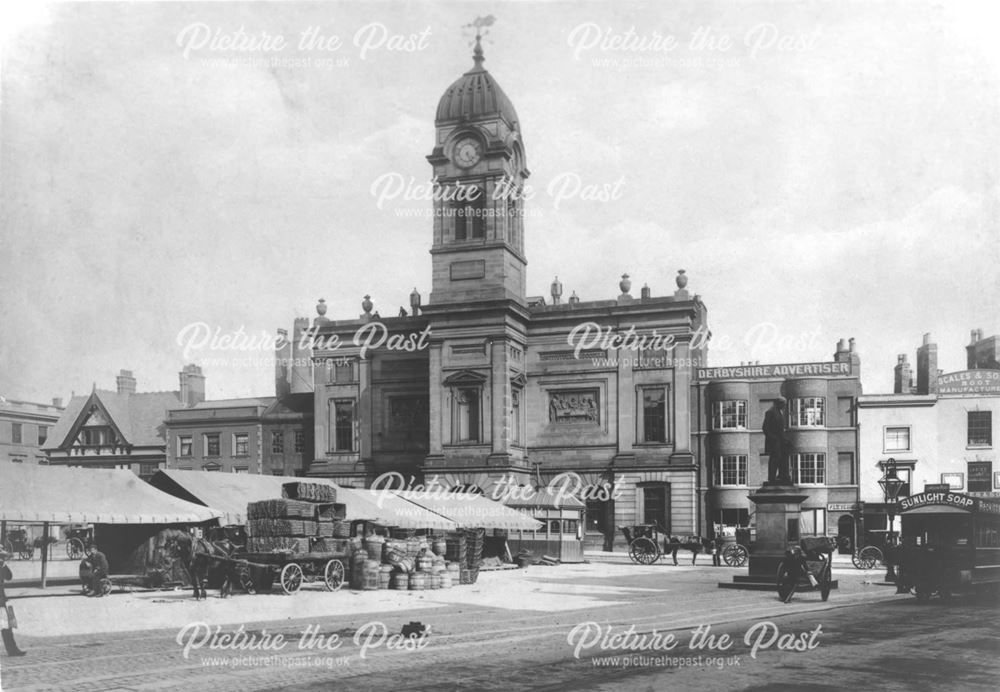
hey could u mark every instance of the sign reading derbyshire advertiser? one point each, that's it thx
(949, 499)
(970, 382)
(770, 372)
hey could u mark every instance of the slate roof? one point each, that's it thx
(138, 416)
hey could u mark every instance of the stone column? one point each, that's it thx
(435, 404)
(364, 411)
(682, 400)
(499, 398)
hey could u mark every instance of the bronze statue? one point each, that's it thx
(776, 443)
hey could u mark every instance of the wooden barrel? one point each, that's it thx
(425, 563)
(400, 581)
(440, 546)
(384, 576)
(374, 544)
(418, 581)
(370, 572)
(452, 568)
(446, 582)
(439, 564)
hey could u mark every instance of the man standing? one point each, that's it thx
(775, 444)
(8, 627)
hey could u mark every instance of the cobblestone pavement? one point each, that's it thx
(471, 645)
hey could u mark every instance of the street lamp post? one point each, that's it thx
(891, 485)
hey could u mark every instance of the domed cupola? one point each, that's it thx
(475, 95)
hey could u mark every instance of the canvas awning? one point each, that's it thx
(471, 511)
(64, 495)
(543, 498)
(388, 509)
(231, 492)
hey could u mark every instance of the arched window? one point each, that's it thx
(470, 215)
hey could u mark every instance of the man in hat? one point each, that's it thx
(98, 569)
(7, 632)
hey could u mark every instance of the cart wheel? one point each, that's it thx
(922, 594)
(26, 553)
(735, 555)
(106, 586)
(824, 585)
(333, 575)
(246, 580)
(871, 556)
(8, 547)
(644, 551)
(291, 578)
(74, 548)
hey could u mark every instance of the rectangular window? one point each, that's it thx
(277, 442)
(241, 444)
(184, 446)
(300, 441)
(468, 415)
(809, 412)
(212, 444)
(810, 469)
(730, 469)
(147, 469)
(732, 518)
(845, 464)
(729, 415)
(654, 414)
(980, 476)
(980, 428)
(656, 506)
(955, 481)
(17, 459)
(240, 469)
(812, 522)
(96, 437)
(43, 434)
(15, 433)
(897, 439)
(343, 425)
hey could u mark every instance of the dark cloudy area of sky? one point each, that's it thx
(833, 173)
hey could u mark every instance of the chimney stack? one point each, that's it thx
(282, 364)
(902, 382)
(192, 385)
(126, 382)
(57, 401)
(927, 368)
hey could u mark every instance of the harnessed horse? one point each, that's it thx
(200, 556)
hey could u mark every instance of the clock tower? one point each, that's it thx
(479, 169)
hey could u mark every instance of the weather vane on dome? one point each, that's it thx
(479, 24)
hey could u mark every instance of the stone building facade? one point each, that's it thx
(483, 385)
(25, 427)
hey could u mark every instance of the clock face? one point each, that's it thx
(468, 151)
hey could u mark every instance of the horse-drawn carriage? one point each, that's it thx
(78, 539)
(19, 544)
(644, 546)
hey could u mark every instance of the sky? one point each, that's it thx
(819, 170)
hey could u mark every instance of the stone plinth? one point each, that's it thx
(779, 506)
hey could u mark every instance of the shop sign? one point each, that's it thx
(841, 507)
(969, 383)
(770, 372)
(949, 499)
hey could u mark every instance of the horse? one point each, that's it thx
(692, 543)
(199, 556)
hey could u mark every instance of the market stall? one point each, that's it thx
(561, 532)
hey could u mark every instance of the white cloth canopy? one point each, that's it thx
(64, 495)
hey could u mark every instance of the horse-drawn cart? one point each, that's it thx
(258, 571)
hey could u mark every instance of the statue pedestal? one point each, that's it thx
(779, 506)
